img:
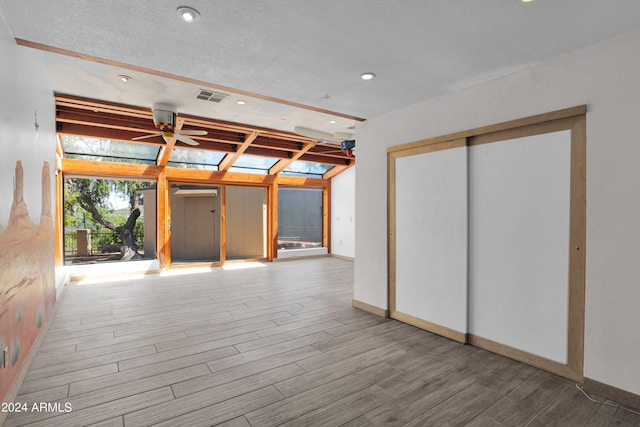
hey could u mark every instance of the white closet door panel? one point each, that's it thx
(519, 194)
(431, 237)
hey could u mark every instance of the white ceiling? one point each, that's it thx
(306, 52)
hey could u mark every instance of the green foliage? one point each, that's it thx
(86, 198)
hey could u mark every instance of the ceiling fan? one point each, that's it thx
(343, 142)
(164, 118)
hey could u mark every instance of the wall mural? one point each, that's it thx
(27, 276)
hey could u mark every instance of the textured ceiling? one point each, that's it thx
(306, 52)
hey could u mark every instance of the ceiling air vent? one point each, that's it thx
(210, 95)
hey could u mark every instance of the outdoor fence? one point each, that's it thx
(102, 241)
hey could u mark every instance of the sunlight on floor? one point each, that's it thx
(243, 265)
(107, 280)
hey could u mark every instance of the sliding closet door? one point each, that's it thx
(487, 235)
(429, 244)
(522, 193)
(519, 240)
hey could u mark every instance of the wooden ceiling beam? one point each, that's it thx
(282, 164)
(327, 159)
(231, 158)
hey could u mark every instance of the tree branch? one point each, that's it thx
(90, 207)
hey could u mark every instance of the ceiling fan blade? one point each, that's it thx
(185, 139)
(138, 138)
(194, 132)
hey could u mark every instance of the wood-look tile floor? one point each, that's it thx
(278, 344)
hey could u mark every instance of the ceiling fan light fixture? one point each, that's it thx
(188, 14)
(367, 76)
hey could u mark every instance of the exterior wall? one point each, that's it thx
(27, 192)
(343, 213)
(605, 78)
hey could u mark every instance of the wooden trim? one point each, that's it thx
(157, 73)
(430, 147)
(391, 231)
(326, 217)
(218, 177)
(302, 182)
(369, 308)
(109, 169)
(564, 370)
(273, 220)
(452, 334)
(529, 130)
(59, 219)
(546, 117)
(613, 393)
(223, 224)
(577, 245)
(163, 221)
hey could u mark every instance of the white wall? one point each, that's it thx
(603, 76)
(343, 212)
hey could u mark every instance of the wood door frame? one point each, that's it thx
(573, 119)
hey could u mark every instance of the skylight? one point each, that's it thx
(253, 164)
(193, 158)
(106, 150)
(306, 169)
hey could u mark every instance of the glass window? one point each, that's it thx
(299, 218)
(306, 169)
(195, 159)
(108, 220)
(253, 164)
(77, 147)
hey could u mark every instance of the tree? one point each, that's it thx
(93, 196)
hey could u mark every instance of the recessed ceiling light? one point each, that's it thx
(332, 121)
(241, 102)
(188, 14)
(367, 76)
(526, 1)
(125, 78)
